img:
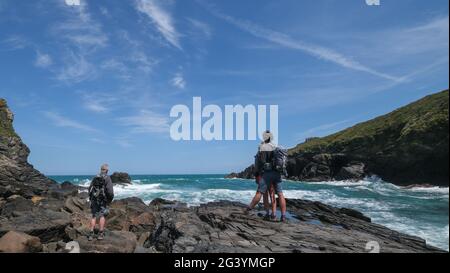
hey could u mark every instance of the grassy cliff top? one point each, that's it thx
(6, 127)
(414, 119)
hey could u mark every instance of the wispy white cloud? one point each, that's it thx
(135, 59)
(161, 18)
(61, 121)
(324, 129)
(43, 60)
(142, 61)
(146, 122)
(287, 41)
(124, 142)
(98, 140)
(76, 69)
(14, 42)
(80, 36)
(80, 29)
(201, 27)
(99, 102)
(178, 81)
(426, 37)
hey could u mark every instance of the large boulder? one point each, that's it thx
(46, 224)
(354, 171)
(131, 214)
(18, 242)
(120, 178)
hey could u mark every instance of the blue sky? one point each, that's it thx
(95, 83)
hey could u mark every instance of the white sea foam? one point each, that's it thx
(139, 189)
(430, 190)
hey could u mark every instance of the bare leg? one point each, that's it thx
(93, 222)
(102, 223)
(255, 200)
(266, 202)
(282, 203)
(274, 201)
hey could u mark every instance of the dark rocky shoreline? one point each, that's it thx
(40, 215)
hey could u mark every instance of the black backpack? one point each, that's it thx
(280, 159)
(98, 190)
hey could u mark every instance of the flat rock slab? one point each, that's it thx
(114, 242)
(225, 227)
(46, 224)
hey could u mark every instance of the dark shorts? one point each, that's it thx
(270, 179)
(99, 210)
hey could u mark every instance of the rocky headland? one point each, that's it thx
(406, 147)
(40, 215)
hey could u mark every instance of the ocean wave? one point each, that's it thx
(429, 190)
(139, 189)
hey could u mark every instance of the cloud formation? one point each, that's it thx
(178, 81)
(61, 121)
(282, 39)
(161, 18)
(146, 122)
(43, 60)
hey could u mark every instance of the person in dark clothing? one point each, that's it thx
(268, 179)
(101, 194)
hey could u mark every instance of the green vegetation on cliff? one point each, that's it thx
(6, 127)
(426, 116)
(406, 146)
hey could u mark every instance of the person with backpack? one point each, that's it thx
(270, 165)
(101, 194)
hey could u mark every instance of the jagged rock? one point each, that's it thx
(76, 204)
(355, 171)
(224, 227)
(121, 178)
(18, 242)
(54, 247)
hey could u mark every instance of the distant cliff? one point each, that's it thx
(407, 146)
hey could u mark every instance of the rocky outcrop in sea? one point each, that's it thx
(40, 215)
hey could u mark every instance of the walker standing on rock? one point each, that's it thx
(101, 194)
(270, 164)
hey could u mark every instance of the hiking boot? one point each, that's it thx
(273, 218)
(283, 219)
(91, 236)
(267, 217)
(101, 235)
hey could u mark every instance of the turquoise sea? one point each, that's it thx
(422, 212)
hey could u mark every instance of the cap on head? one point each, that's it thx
(267, 136)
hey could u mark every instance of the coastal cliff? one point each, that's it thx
(40, 215)
(405, 147)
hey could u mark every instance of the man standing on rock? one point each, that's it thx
(101, 194)
(268, 177)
